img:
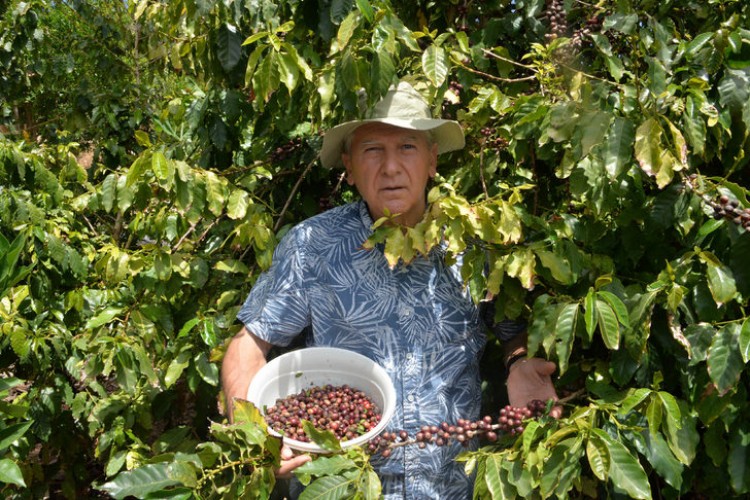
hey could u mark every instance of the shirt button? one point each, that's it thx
(410, 398)
(409, 356)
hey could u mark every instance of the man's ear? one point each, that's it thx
(347, 161)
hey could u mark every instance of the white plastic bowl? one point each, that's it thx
(294, 371)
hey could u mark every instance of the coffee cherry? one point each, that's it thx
(343, 410)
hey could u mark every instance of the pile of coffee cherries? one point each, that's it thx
(343, 410)
(510, 421)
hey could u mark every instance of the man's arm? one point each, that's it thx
(246, 354)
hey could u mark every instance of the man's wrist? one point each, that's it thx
(512, 358)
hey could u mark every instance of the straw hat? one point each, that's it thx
(402, 107)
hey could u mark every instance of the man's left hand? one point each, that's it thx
(530, 379)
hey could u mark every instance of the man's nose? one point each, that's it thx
(391, 163)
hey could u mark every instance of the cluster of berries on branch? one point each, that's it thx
(728, 208)
(492, 141)
(287, 150)
(510, 421)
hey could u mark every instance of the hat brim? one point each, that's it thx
(448, 135)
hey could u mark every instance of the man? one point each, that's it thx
(418, 320)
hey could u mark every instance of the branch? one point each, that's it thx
(182, 238)
(294, 192)
(509, 61)
(497, 78)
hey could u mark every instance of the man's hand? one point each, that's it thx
(289, 462)
(529, 379)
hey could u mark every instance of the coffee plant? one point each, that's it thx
(152, 154)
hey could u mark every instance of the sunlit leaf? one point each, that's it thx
(608, 325)
(435, 64)
(10, 473)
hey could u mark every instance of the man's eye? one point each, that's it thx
(372, 149)
(409, 146)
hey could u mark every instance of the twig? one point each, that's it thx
(187, 233)
(88, 223)
(509, 61)
(498, 79)
(570, 397)
(293, 193)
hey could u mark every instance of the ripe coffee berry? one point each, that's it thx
(343, 410)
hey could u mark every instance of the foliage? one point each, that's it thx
(598, 145)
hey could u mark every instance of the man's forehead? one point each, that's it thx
(372, 132)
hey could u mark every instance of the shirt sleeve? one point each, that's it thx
(277, 308)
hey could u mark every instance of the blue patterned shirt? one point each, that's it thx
(417, 321)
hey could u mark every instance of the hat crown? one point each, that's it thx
(401, 102)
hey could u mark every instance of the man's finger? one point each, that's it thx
(287, 466)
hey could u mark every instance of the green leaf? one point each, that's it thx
(694, 125)
(13, 433)
(142, 481)
(659, 455)
(590, 315)
(229, 46)
(216, 191)
(608, 326)
(721, 283)
(593, 127)
(671, 409)
(724, 360)
(369, 484)
(435, 64)
(565, 329)
(326, 466)
(654, 413)
(366, 9)
(328, 488)
(323, 438)
(651, 156)
(625, 472)
(176, 367)
(618, 150)
(598, 457)
(634, 398)
(163, 169)
(700, 336)
(559, 267)
(346, 29)
(738, 460)
(617, 306)
(745, 341)
(288, 70)
(109, 192)
(104, 317)
(266, 78)
(10, 473)
(561, 468)
(382, 71)
(237, 204)
(493, 475)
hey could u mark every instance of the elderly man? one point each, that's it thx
(418, 321)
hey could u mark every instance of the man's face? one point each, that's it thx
(390, 166)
